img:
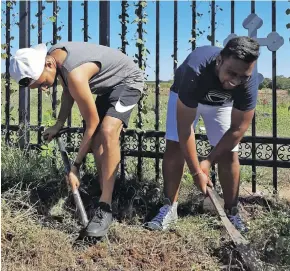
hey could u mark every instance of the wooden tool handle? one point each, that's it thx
(249, 256)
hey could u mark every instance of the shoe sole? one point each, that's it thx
(156, 227)
(99, 234)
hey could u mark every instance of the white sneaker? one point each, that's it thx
(167, 215)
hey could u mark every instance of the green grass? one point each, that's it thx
(46, 107)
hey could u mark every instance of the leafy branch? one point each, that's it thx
(124, 20)
(8, 11)
(198, 32)
(288, 13)
(86, 26)
(141, 56)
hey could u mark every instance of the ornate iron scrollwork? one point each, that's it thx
(13, 138)
(264, 151)
(131, 143)
(3, 132)
(144, 144)
(152, 145)
(283, 152)
(162, 144)
(245, 150)
(203, 147)
(75, 140)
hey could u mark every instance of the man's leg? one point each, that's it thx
(217, 120)
(229, 176)
(107, 138)
(172, 169)
(106, 149)
(173, 159)
(97, 149)
(109, 133)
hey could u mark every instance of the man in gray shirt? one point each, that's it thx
(85, 69)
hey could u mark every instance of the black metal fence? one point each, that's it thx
(254, 150)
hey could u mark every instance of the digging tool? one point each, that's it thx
(248, 255)
(67, 167)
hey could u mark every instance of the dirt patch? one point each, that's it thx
(198, 242)
(134, 248)
(28, 246)
(266, 94)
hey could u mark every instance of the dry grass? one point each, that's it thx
(197, 242)
(32, 240)
(26, 245)
(133, 248)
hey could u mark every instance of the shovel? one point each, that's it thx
(248, 255)
(67, 167)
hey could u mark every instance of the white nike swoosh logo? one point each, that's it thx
(121, 108)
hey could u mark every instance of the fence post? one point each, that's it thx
(24, 94)
(274, 102)
(39, 93)
(104, 26)
(7, 75)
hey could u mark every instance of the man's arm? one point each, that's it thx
(65, 108)
(240, 121)
(67, 102)
(78, 82)
(185, 118)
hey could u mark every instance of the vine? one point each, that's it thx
(124, 20)
(5, 54)
(50, 19)
(217, 8)
(85, 28)
(141, 56)
(197, 33)
(288, 13)
(7, 45)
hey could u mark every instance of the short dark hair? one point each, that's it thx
(243, 48)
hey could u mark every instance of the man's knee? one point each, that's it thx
(173, 155)
(229, 158)
(110, 131)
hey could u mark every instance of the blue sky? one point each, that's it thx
(242, 10)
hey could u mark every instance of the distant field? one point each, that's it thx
(263, 112)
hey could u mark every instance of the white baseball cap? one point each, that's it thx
(28, 63)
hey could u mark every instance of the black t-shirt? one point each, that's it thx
(195, 81)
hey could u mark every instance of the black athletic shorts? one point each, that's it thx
(119, 103)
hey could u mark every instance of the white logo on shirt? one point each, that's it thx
(215, 96)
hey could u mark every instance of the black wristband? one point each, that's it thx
(77, 165)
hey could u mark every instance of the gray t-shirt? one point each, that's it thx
(116, 68)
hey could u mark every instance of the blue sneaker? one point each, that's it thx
(235, 218)
(166, 217)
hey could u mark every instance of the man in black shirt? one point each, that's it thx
(219, 85)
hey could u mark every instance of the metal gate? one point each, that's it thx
(255, 150)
